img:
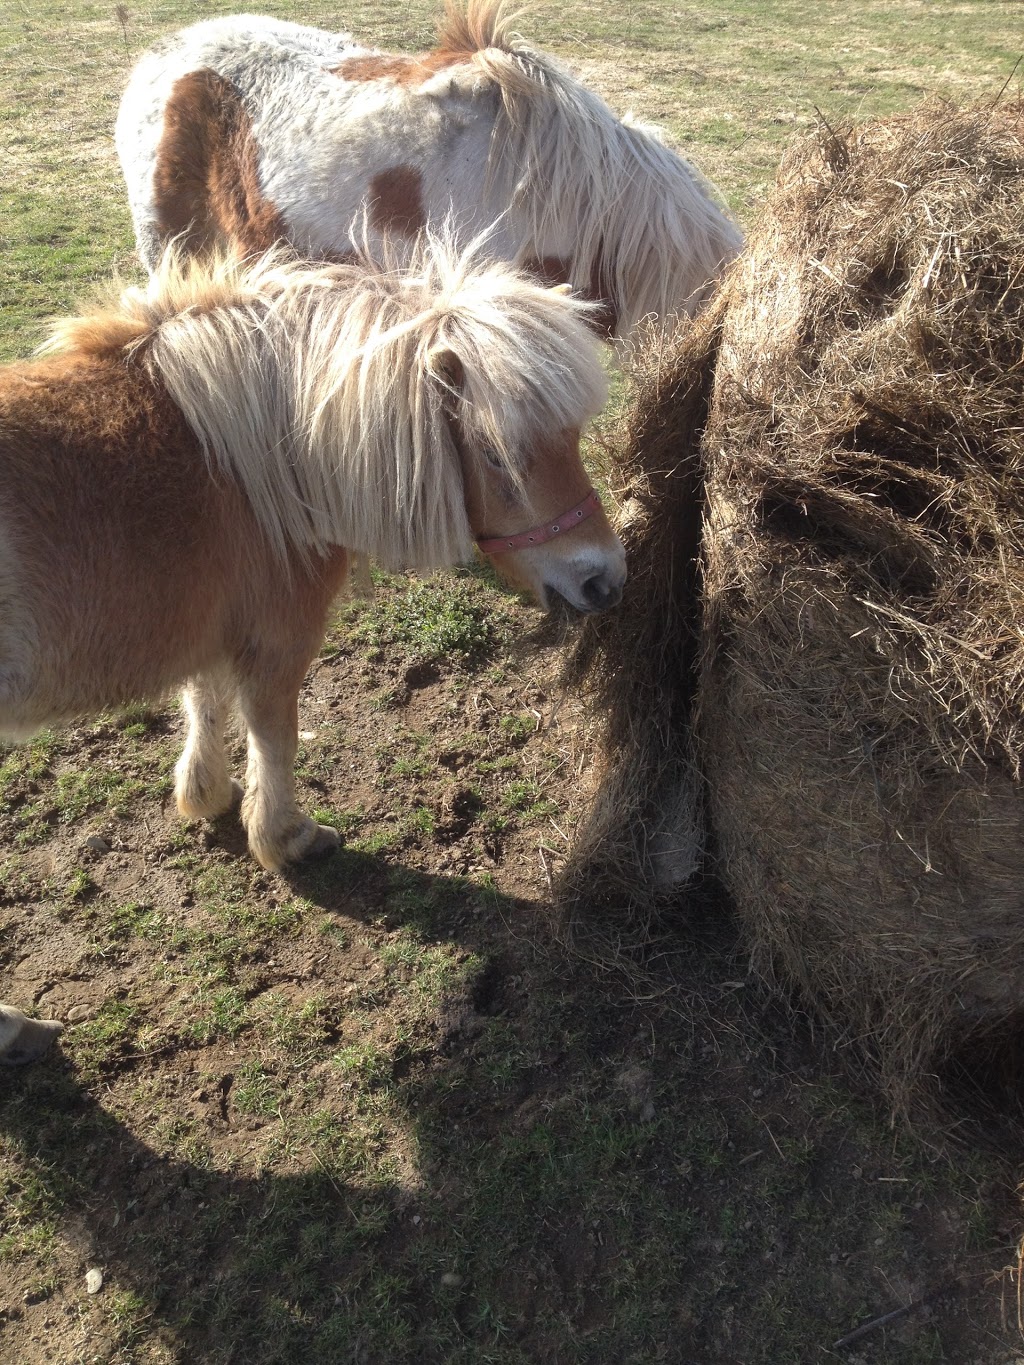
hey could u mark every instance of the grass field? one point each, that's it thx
(373, 1111)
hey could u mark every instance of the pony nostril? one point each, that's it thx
(599, 594)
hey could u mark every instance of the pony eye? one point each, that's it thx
(493, 458)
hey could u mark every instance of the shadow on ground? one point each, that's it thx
(556, 1166)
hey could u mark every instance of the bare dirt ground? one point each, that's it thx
(381, 1082)
(376, 1111)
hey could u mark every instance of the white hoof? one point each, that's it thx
(24, 1040)
(306, 840)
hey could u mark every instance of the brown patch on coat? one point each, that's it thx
(550, 270)
(339, 257)
(396, 201)
(396, 67)
(206, 182)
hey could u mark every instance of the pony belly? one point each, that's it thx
(20, 717)
(16, 730)
(62, 689)
(96, 618)
(113, 658)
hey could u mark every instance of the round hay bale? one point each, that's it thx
(860, 706)
(862, 692)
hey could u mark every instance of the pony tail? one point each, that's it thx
(477, 25)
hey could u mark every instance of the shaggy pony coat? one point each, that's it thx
(245, 130)
(234, 426)
(185, 474)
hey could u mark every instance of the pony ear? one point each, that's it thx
(447, 367)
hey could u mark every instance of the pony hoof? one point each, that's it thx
(198, 805)
(24, 1040)
(307, 841)
(313, 841)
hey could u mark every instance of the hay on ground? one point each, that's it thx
(860, 710)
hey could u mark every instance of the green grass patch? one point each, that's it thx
(450, 619)
(105, 1039)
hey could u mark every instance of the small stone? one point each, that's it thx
(77, 1014)
(450, 1280)
(96, 844)
(93, 1281)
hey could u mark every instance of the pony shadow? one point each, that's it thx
(192, 1254)
(220, 1266)
(514, 1124)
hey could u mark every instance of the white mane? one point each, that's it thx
(646, 227)
(326, 391)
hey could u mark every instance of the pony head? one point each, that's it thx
(520, 373)
(402, 411)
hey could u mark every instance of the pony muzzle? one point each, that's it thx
(590, 583)
(601, 591)
(589, 576)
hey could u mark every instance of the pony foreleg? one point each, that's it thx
(278, 831)
(203, 787)
(22, 1039)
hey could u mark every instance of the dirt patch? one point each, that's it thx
(373, 1111)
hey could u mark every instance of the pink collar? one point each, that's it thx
(500, 545)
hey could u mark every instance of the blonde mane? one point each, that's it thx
(327, 390)
(646, 228)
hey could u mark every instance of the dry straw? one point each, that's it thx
(838, 441)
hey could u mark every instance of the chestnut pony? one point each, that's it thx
(247, 130)
(185, 475)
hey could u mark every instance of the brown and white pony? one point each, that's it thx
(184, 477)
(247, 130)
